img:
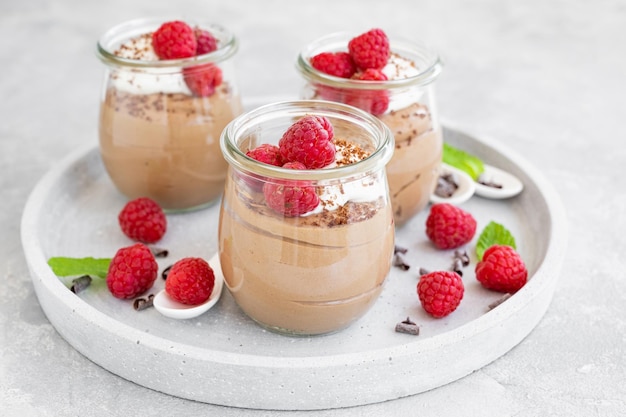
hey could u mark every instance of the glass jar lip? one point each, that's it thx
(227, 42)
(338, 42)
(298, 108)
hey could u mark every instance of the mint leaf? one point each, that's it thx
(65, 267)
(463, 161)
(493, 234)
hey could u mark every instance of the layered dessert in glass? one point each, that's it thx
(399, 91)
(305, 249)
(160, 119)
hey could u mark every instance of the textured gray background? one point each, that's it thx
(544, 77)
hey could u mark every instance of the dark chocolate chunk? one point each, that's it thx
(408, 327)
(80, 283)
(143, 303)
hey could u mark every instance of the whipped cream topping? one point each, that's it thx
(334, 197)
(347, 153)
(140, 82)
(151, 81)
(398, 68)
(139, 48)
(359, 191)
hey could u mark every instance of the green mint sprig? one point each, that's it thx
(462, 160)
(493, 234)
(65, 267)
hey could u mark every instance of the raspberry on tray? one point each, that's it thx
(190, 281)
(440, 292)
(501, 269)
(143, 220)
(132, 271)
(449, 226)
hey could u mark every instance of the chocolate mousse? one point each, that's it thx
(319, 271)
(414, 168)
(166, 146)
(304, 275)
(158, 138)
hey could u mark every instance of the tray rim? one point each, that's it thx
(44, 279)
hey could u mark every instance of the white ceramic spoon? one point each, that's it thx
(510, 184)
(465, 190)
(173, 309)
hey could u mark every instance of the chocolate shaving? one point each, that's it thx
(499, 301)
(159, 252)
(463, 256)
(460, 260)
(166, 272)
(349, 153)
(408, 327)
(80, 283)
(423, 271)
(399, 262)
(447, 185)
(457, 266)
(143, 303)
(488, 183)
(400, 249)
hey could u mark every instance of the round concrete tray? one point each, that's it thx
(223, 358)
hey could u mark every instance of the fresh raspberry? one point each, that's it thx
(143, 220)
(370, 49)
(448, 226)
(132, 271)
(440, 292)
(174, 40)
(501, 269)
(206, 42)
(291, 198)
(190, 281)
(203, 79)
(266, 153)
(339, 64)
(309, 141)
(372, 101)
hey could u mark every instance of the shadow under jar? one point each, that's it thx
(160, 120)
(406, 102)
(320, 271)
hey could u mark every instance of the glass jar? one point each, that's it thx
(160, 120)
(319, 271)
(405, 102)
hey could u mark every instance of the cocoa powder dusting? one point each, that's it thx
(349, 152)
(351, 212)
(147, 107)
(139, 48)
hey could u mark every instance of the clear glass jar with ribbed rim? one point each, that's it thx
(317, 270)
(160, 120)
(406, 102)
